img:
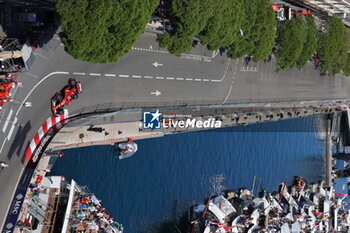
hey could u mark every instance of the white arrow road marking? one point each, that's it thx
(156, 93)
(156, 64)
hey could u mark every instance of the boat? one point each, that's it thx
(126, 149)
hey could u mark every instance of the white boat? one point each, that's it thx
(125, 149)
(221, 208)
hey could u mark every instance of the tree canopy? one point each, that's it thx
(245, 26)
(264, 31)
(346, 68)
(340, 61)
(102, 31)
(330, 42)
(223, 26)
(291, 40)
(245, 43)
(190, 19)
(310, 44)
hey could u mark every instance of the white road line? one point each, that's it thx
(228, 94)
(180, 79)
(124, 76)
(216, 80)
(136, 76)
(110, 75)
(159, 77)
(170, 78)
(36, 85)
(42, 56)
(3, 144)
(95, 74)
(215, 53)
(14, 92)
(32, 75)
(12, 128)
(148, 77)
(198, 79)
(206, 80)
(189, 79)
(7, 121)
(78, 73)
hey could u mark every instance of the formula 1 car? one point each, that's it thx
(65, 96)
(5, 87)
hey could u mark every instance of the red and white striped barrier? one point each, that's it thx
(51, 122)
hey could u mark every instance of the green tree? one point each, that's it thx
(264, 31)
(340, 61)
(223, 26)
(102, 31)
(191, 18)
(346, 68)
(330, 42)
(310, 44)
(245, 43)
(290, 42)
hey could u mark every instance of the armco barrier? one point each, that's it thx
(33, 154)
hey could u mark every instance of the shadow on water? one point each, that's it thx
(177, 223)
(312, 166)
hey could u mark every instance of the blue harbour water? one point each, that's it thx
(141, 190)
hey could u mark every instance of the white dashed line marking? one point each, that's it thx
(152, 77)
(110, 75)
(78, 73)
